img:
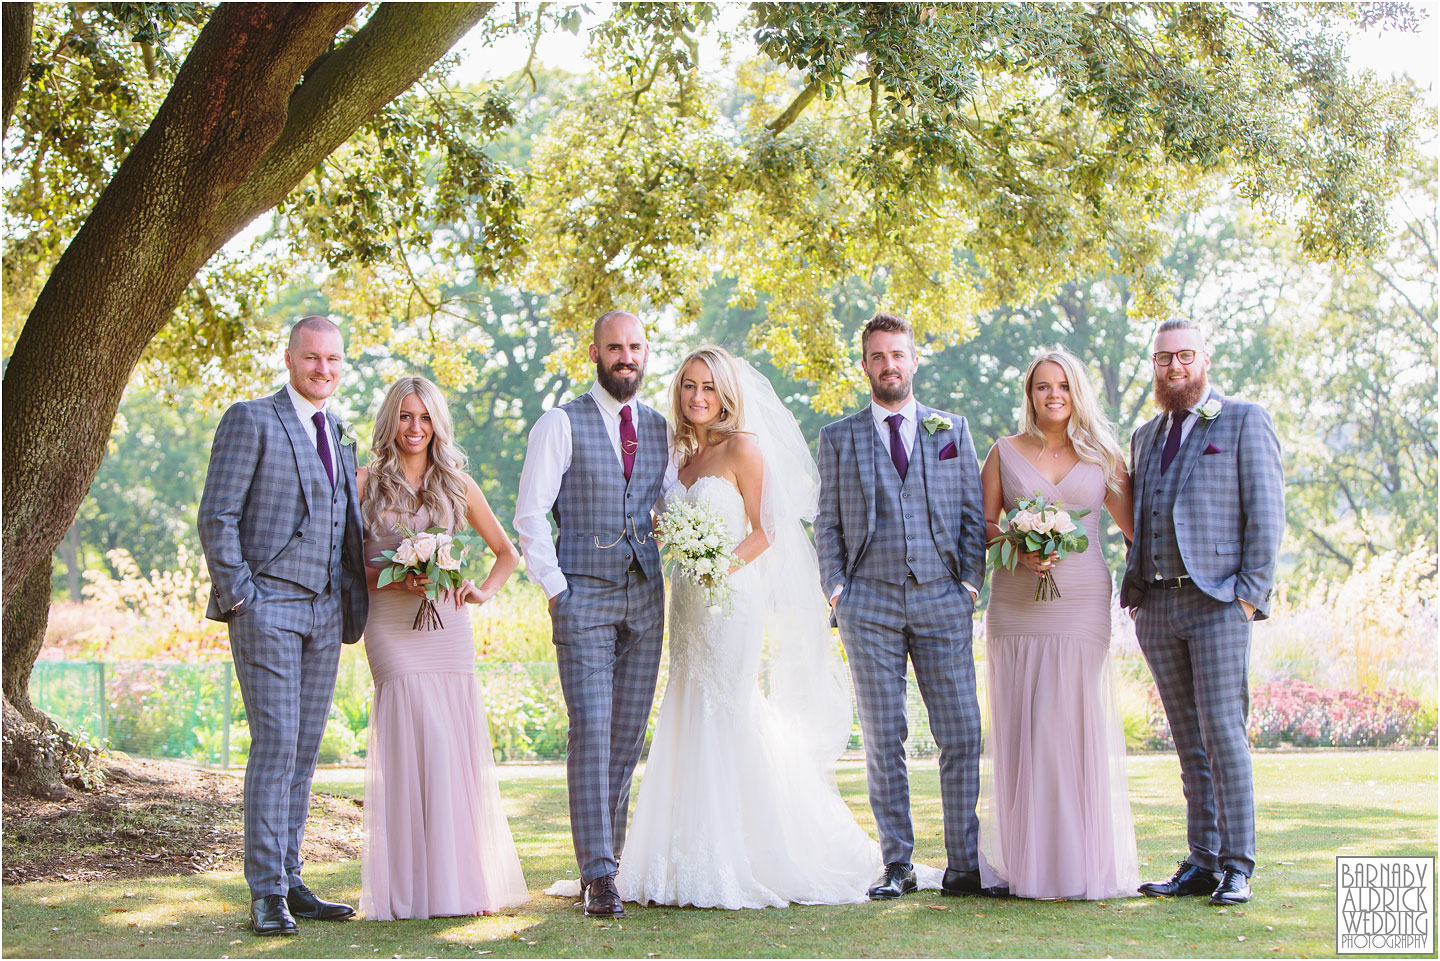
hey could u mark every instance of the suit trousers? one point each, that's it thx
(607, 648)
(1198, 649)
(882, 625)
(285, 642)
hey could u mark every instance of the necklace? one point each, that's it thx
(1055, 453)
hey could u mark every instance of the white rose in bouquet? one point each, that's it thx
(1064, 524)
(1024, 522)
(1044, 523)
(425, 545)
(405, 554)
(445, 558)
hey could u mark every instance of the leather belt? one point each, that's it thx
(1173, 584)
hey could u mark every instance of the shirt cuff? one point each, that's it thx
(553, 584)
(973, 593)
(838, 591)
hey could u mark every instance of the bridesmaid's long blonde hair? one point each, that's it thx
(389, 498)
(1089, 429)
(727, 389)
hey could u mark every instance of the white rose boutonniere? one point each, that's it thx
(935, 422)
(1210, 409)
(347, 434)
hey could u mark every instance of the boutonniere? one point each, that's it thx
(935, 422)
(1210, 409)
(347, 434)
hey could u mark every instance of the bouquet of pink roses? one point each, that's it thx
(433, 554)
(1034, 525)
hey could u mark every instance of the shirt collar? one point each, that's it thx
(608, 403)
(303, 407)
(880, 413)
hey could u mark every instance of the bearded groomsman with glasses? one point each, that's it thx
(1209, 512)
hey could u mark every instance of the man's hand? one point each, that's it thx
(1249, 610)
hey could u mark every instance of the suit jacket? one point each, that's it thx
(255, 505)
(1229, 505)
(846, 517)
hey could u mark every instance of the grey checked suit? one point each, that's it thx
(1213, 521)
(902, 549)
(279, 537)
(608, 622)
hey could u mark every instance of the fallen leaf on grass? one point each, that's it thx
(1240, 938)
(933, 907)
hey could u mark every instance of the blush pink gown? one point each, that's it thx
(1055, 805)
(436, 840)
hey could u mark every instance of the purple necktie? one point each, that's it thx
(629, 443)
(1172, 441)
(323, 446)
(897, 445)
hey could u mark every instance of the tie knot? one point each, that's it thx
(895, 420)
(625, 414)
(319, 420)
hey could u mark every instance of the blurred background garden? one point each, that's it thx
(470, 228)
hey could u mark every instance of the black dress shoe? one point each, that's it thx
(304, 904)
(898, 878)
(1189, 881)
(268, 915)
(957, 883)
(602, 900)
(1234, 889)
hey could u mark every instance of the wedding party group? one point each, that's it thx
(738, 807)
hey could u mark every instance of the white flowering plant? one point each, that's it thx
(697, 546)
(1038, 526)
(432, 554)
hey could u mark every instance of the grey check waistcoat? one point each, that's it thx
(902, 543)
(312, 559)
(604, 522)
(1160, 550)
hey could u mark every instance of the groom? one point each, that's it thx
(599, 464)
(280, 526)
(1209, 511)
(901, 539)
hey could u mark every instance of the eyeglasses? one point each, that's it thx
(1162, 358)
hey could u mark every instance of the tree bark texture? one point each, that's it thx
(232, 138)
(30, 757)
(17, 33)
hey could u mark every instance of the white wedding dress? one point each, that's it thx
(729, 816)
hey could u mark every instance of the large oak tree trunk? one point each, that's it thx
(236, 133)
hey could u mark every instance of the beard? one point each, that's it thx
(1173, 399)
(890, 393)
(615, 382)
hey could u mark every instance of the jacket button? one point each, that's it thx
(299, 533)
(627, 557)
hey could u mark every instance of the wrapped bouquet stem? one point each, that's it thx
(1043, 528)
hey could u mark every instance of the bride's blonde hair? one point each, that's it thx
(389, 498)
(1089, 429)
(726, 377)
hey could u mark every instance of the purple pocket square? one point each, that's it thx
(1212, 449)
(948, 452)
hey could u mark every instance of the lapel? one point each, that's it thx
(307, 458)
(1194, 446)
(862, 429)
(347, 457)
(930, 458)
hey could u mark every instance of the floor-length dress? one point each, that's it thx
(436, 840)
(727, 816)
(1055, 811)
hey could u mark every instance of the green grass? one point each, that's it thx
(1310, 808)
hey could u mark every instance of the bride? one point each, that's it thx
(738, 807)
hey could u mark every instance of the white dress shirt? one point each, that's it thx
(908, 426)
(546, 460)
(306, 412)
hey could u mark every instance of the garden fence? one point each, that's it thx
(194, 711)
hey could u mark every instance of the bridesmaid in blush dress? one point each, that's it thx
(1055, 819)
(436, 840)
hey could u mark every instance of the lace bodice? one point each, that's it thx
(720, 653)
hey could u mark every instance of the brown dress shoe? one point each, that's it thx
(602, 900)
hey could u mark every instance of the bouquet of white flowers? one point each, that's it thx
(695, 541)
(433, 554)
(1035, 525)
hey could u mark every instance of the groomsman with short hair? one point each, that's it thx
(1209, 513)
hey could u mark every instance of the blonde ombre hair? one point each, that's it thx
(726, 377)
(1089, 429)
(389, 498)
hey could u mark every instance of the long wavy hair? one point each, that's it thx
(1089, 429)
(727, 389)
(389, 498)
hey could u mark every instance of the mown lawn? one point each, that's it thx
(1311, 807)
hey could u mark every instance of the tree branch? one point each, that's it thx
(17, 33)
(796, 108)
